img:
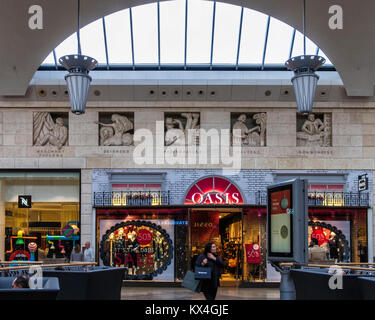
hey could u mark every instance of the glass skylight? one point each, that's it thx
(187, 33)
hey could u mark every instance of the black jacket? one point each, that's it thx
(215, 266)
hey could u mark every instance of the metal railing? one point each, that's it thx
(155, 198)
(131, 198)
(327, 199)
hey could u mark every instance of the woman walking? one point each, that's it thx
(210, 259)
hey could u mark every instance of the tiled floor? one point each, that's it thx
(224, 293)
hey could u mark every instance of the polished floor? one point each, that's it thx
(224, 293)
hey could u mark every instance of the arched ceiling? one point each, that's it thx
(351, 49)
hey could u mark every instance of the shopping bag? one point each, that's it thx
(202, 273)
(190, 282)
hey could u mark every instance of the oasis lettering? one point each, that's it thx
(215, 198)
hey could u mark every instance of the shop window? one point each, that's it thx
(341, 232)
(150, 244)
(326, 195)
(50, 228)
(136, 194)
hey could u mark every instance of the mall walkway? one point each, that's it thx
(224, 293)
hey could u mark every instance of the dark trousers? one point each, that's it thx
(210, 294)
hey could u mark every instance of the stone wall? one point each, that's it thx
(353, 140)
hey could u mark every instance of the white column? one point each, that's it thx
(370, 235)
(2, 220)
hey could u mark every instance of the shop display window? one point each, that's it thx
(150, 244)
(342, 233)
(136, 194)
(49, 228)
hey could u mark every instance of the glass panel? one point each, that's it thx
(279, 40)
(298, 45)
(227, 24)
(68, 46)
(145, 30)
(43, 225)
(199, 31)
(328, 61)
(145, 242)
(92, 41)
(172, 31)
(49, 59)
(252, 40)
(118, 37)
(350, 244)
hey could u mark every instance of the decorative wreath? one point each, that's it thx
(139, 223)
(344, 245)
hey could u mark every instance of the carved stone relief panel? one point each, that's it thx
(50, 129)
(116, 128)
(181, 128)
(251, 128)
(314, 130)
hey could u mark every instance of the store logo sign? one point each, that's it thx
(24, 201)
(362, 183)
(215, 198)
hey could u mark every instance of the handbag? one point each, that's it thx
(191, 283)
(202, 273)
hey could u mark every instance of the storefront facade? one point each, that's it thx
(168, 195)
(157, 234)
(42, 213)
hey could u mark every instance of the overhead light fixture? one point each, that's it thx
(77, 80)
(305, 79)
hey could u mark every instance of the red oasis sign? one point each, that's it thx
(213, 190)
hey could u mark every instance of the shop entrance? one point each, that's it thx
(224, 227)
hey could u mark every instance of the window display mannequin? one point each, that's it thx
(158, 250)
(118, 245)
(132, 246)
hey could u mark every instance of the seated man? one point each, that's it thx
(316, 253)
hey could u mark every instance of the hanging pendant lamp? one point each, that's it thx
(77, 80)
(305, 79)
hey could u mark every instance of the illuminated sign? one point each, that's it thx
(362, 182)
(24, 201)
(287, 222)
(213, 191)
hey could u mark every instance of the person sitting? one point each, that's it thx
(317, 253)
(21, 282)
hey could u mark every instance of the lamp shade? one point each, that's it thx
(305, 80)
(77, 80)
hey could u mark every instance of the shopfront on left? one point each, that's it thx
(39, 214)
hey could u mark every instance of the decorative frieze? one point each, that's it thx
(116, 129)
(181, 128)
(50, 129)
(249, 128)
(314, 130)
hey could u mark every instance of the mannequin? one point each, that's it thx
(132, 246)
(158, 250)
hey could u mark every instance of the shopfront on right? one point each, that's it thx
(158, 235)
